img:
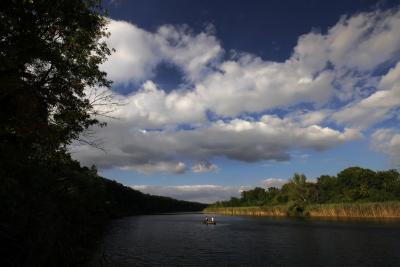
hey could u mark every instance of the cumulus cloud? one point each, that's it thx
(340, 62)
(273, 182)
(197, 193)
(308, 118)
(334, 73)
(193, 53)
(388, 142)
(157, 166)
(151, 107)
(354, 47)
(250, 84)
(204, 166)
(376, 107)
(138, 52)
(270, 138)
(366, 40)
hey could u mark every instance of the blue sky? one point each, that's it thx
(223, 96)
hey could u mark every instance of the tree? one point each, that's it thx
(271, 196)
(297, 188)
(328, 189)
(50, 54)
(356, 183)
(298, 194)
(255, 196)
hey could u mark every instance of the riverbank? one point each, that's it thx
(54, 212)
(248, 211)
(363, 210)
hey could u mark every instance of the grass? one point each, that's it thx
(251, 211)
(367, 210)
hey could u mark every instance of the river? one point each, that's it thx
(183, 240)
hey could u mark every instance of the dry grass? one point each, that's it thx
(366, 210)
(250, 211)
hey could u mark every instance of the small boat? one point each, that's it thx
(210, 222)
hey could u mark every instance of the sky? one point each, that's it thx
(216, 97)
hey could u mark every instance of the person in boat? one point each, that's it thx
(206, 220)
(212, 219)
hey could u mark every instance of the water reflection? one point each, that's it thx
(183, 240)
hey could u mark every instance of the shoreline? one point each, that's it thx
(389, 210)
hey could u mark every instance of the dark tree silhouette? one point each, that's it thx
(50, 54)
(52, 210)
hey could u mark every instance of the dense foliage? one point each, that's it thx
(353, 184)
(50, 54)
(52, 209)
(52, 214)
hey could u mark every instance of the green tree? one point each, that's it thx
(297, 188)
(328, 190)
(50, 53)
(388, 186)
(356, 183)
(255, 196)
(272, 196)
(298, 193)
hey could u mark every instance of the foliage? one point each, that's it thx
(353, 184)
(52, 214)
(50, 54)
(53, 210)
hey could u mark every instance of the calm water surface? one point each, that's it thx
(182, 240)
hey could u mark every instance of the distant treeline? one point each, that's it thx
(353, 184)
(53, 212)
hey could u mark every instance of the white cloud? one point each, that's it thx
(273, 182)
(198, 193)
(308, 118)
(138, 52)
(270, 138)
(136, 55)
(157, 166)
(366, 40)
(354, 47)
(388, 142)
(334, 73)
(377, 106)
(151, 107)
(204, 166)
(193, 53)
(250, 84)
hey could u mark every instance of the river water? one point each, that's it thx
(183, 240)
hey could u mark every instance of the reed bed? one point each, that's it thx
(249, 211)
(366, 210)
